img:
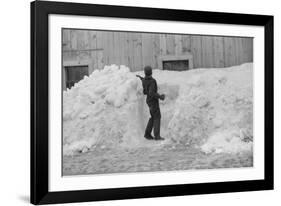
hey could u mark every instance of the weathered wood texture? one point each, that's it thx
(136, 50)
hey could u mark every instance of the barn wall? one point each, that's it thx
(136, 50)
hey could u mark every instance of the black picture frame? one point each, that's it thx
(40, 102)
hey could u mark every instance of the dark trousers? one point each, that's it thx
(154, 121)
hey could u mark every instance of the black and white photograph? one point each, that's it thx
(136, 102)
(133, 102)
(155, 102)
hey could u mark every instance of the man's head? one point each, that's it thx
(147, 71)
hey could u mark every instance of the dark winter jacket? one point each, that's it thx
(150, 89)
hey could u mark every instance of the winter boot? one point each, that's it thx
(149, 137)
(159, 138)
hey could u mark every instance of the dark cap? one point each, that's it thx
(147, 70)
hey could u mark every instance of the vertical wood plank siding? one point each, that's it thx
(136, 50)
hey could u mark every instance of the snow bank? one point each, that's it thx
(208, 108)
(100, 109)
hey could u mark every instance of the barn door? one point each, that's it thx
(176, 65)
(74, 74)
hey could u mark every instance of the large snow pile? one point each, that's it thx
(207, 108)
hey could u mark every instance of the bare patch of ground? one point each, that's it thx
(149, 159)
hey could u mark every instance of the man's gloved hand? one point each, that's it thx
(162, 97)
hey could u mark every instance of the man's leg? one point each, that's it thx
(149, 127)
(157, 123)
(156, 127)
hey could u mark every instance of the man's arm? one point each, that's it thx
(141, 78)
(152, 91)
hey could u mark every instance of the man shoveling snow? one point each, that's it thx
(152, 99)
(211, 109)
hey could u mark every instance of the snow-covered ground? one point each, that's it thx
(210, 110)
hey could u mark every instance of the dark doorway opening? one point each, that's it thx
(74, 74)
(176, 65)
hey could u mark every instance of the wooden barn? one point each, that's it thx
(87, 50)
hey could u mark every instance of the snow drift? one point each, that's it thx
(208, 108)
